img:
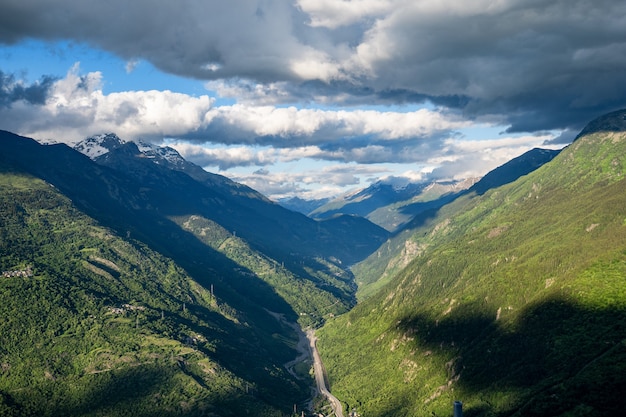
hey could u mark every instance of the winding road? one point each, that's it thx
(320, 375)
(306, 352)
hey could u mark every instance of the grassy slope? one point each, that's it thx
(106, 326)
(516, 304)
(376, 271)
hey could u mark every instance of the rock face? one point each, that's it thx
(611, 122)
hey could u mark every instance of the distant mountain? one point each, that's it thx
(98, 145)
(393, 202)
(511, 298)
(364, 201)
(396, 202)
(302, 206)
(400, 215)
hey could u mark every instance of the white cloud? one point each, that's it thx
(539, 64)
(474, 158)
(280, 126)
(294, 146)
(333, 13)
(76, 107)
(311, 183)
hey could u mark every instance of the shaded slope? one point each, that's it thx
(515, 303)
(267, 226)
(127, 206)
(150, 201)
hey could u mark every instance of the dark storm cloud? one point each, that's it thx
(538, 64)
(532, 64)
(204, 39)
(12, 91)
(566, 137)
(351, 94)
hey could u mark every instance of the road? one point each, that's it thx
(309, 350)
(320, 374)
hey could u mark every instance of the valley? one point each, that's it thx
(136, 283)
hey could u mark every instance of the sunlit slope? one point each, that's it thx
(515, 302)
(380, 267)
(93, 323)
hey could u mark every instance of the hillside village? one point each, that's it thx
(24, 273)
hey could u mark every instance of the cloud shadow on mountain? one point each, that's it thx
(559, 358)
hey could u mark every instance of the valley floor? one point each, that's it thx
(320, 374)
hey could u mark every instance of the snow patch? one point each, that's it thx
(99, 145)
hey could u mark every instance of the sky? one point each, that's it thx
(311, 98)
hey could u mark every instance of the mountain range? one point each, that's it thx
(135, 240)
(136, 283)
(393, 203)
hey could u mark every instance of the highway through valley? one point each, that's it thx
(309, 350)
(320, 375)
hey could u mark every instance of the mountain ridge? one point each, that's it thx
(611, 122)
(227, 197)
(151, 202)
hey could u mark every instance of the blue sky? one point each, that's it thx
(37, 58)
(309, 97)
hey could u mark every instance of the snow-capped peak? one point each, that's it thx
(150, 150)
(98, 145)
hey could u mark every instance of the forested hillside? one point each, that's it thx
(160, 205)
(513, 301)
(93, 323)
